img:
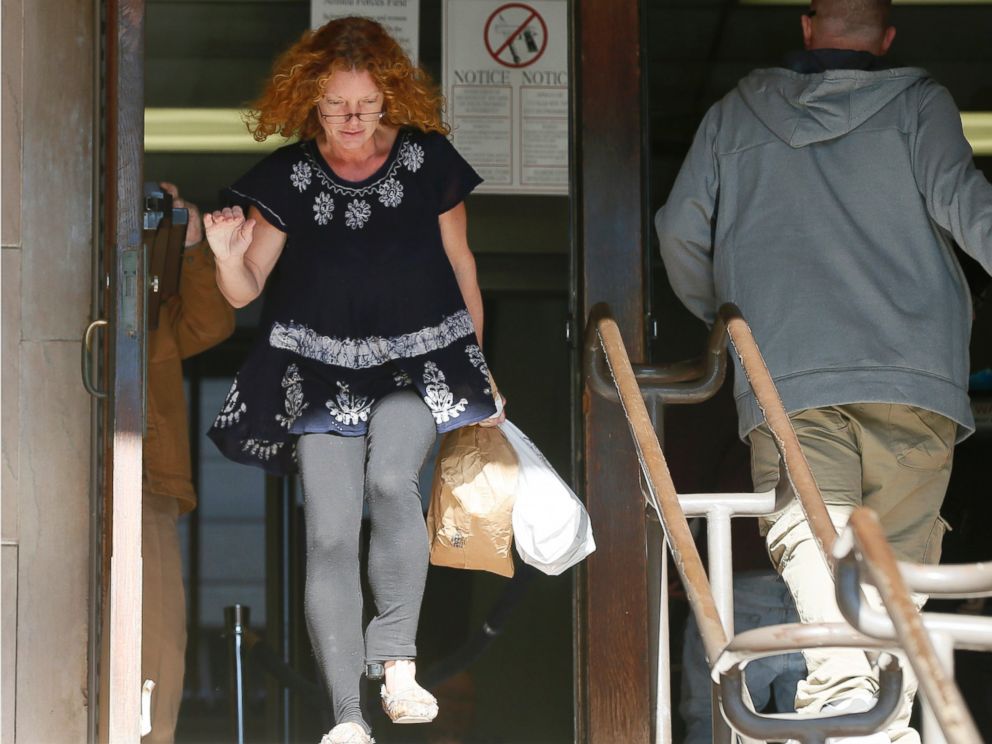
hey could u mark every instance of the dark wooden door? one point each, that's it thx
(613, 669)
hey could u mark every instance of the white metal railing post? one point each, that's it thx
(718, 509)
(664, 713)
(943, 644)
(719, 551)
(661, 689)
(721, 571)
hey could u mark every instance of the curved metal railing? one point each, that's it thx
(604, 334)
(862, 554)
(805, 728)
(691, 381)
(863, 546)
(604, 353)
(944, 702)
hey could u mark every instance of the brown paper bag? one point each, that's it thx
(469, 520)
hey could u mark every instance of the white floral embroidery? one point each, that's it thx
(261, 448)
(387, 188)
(357, 214)
(231, 411)
(391, 193)
(348, 408)
(439, 398)
(402, 379)
(362, 353)
(319, 170)
(412, 156)
(323, 208)
(301, 176)
(479, 362)
(294, 404)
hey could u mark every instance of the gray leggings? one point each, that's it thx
(339, 473)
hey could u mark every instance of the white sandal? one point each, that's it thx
(412, 705)
(347, 733)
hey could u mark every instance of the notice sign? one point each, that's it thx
(401, 18)
(505, 72)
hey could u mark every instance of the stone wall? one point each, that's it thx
(48, 139)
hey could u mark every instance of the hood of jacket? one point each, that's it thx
(801, 109)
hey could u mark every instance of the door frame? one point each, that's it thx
(613, 673)
(608, 179)
(123, 74)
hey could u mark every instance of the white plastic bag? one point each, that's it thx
(551, 527)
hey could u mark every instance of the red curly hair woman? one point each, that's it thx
(371, 341)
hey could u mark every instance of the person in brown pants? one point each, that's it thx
(192, 321)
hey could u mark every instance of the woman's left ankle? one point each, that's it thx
(400, 674)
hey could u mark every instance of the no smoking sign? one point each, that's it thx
(516, 35)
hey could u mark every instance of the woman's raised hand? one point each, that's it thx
(228, 233)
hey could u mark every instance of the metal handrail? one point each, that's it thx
(805, 728)
(793, 462)
(603, 339)
(602, 332)
(864, 533)
(659, 488)
(771, 640)
(729, 322)
(668, 384)
(952, 581)
(691, 381)
(966, 631)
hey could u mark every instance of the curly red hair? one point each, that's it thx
(288, 103)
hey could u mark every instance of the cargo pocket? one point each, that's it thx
(827, 419)
(926, 439)
(935, 541)
(764, 460)
(764, 454)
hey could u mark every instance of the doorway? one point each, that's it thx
(242, 543)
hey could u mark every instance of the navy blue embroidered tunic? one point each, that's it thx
(363, 301)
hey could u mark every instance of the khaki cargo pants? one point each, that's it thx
(895, 459)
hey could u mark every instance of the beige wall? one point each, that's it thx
(48, 79)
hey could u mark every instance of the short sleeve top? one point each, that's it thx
(363, 301)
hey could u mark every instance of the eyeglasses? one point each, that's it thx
(810, 13)
(365, 116)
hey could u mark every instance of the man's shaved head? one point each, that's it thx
(853, 17)
(848, 24)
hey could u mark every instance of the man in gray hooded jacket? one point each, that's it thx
(823, 199)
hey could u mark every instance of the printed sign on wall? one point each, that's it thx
(401, 18)
(505, 75)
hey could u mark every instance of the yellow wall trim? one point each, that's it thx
(202, 130)
(224, 131)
